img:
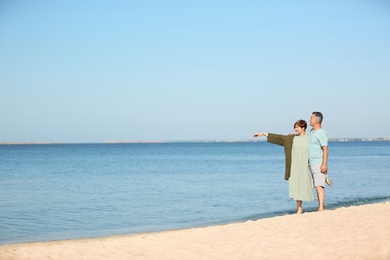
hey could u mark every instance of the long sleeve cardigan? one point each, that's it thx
(286, 141)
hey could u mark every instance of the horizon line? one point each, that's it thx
(349, 139)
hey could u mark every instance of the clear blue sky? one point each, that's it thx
(91, 71)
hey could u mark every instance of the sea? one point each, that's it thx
(70, 191)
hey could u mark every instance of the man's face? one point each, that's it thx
(313, 120)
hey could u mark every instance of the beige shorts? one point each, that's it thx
(317, 175)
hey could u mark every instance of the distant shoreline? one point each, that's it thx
(192, 141)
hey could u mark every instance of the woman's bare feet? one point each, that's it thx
(299, 207)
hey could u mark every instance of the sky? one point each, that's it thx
(92, 71)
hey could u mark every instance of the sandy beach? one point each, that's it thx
(356, 232)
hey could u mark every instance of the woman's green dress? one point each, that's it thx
(297, 171)
(300, 183)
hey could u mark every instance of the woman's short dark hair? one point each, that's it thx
(301, 123)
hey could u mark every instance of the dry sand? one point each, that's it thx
(357, 232)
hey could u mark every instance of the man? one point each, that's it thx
(318, 156)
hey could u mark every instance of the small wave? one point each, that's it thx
(358, 201)
(332, 206)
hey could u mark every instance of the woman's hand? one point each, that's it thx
(260, 134)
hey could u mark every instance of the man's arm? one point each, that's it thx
(324, 165)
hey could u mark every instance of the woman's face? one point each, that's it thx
(298, 130)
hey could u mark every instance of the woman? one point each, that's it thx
(297, 165)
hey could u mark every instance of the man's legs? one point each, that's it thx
(321, 197)
(319, 184)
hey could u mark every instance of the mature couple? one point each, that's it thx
(306, 160)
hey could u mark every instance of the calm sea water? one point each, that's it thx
(51, 192)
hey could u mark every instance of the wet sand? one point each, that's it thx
(357, 232)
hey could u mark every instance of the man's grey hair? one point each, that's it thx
(319, 116)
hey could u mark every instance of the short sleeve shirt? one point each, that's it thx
(317, 139)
